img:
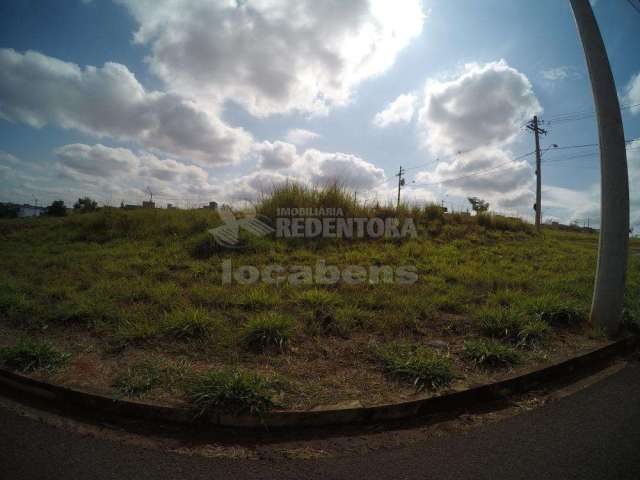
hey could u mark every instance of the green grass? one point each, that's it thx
(138, 379)
(153, 372)
(491, 353)
(151, 281)
(191, 324)
(419, 365)
(230, 391)
(267, 332)
(30, 355)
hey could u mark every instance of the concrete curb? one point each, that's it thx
(23, 387)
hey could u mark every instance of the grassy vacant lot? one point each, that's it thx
(132, 303)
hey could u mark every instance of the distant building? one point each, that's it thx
(171, 206)
(25, 211)
(131, 207)
(148, 204)
(213, 205)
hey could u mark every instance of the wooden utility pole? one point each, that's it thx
(400, 184)
(534, 127)
(608, 292)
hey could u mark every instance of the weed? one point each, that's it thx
(230, 391)
(532, 332)
(30, 355)
(138, 379)
(425, 368)
(500, 322)
(267, 332)
(557, 311)
(490, 353)
(189, 324)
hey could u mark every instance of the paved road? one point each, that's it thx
(594, 434)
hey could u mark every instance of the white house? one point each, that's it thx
(30, 211)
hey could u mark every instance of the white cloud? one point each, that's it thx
(97, 160)
(109, 101)
(560, 73)
(120, 172)
(313, 167)
(632, 96)
(5, 172)
(399, 111)
(300, 136)
(128, 173)
(485, 105)
(490, 173)
(471, 119)
(275, 156)
(273, 56)
(351, 171)
(7, 158)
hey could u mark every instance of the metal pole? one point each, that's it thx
(608, 293)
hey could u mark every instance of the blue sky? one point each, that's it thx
(204, 114)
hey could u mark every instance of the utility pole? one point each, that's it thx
(400, 184)
(534, 127)
(613, 248)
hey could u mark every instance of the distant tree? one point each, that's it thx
(8, 210)
(478, 205)
(84, 205)
(57, 209)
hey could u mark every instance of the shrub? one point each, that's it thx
(418, 364)
(230, 391)
(267, 332)
(490, 353)
(29, 355)
(432, 212)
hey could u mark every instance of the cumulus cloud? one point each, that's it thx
(109, 101)
(313, 167)
(97, 160)
(121, 170)
(491, 173)
(632, 96)
(300, 136)
(471, 119)
(349, 170)
(399, 111)
(485, 105)
(273, 56)
(275, 156)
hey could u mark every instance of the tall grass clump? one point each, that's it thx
(267, 332)
(190, 324)
(30, 355)
(490, 353)
(297, 195)
(421, 366)
(230, 391)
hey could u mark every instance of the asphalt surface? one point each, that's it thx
(593, 434)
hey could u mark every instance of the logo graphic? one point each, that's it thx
(228, 235)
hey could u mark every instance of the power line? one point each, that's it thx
(635, 7)
(562, 118)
